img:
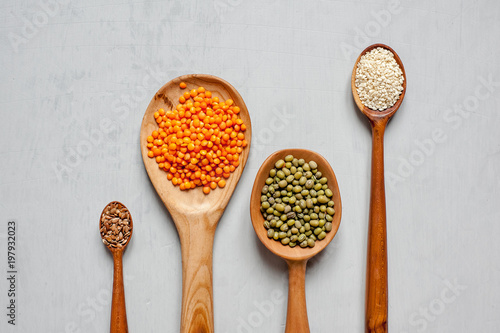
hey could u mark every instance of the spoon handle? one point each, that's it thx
(376, 279)
(118, 311)
(197, 291)
(296, 316)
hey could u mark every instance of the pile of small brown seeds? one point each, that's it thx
(115, 225)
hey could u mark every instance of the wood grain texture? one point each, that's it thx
(296, 315)
(195, 214)
(376, 272)
(376, 282)
(118, 309)
(296, 257)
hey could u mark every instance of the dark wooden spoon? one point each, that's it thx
(118, 310)
(376, 273)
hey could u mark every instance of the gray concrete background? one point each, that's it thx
(68, 66)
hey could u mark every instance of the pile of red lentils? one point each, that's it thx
(200, 142)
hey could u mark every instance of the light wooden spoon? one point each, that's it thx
(297, 257)
(195, 214)
(376, 272)
(118, 310)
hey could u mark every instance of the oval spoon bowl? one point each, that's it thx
(287, 252)
(167, 97)
(375, 114)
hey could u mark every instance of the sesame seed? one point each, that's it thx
(379, 79)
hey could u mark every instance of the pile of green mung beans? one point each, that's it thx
(296, 203)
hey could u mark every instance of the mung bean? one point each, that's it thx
(296, 203)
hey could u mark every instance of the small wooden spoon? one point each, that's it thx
(118, 310)
(297, 257)
(195, 214)
(376, 273)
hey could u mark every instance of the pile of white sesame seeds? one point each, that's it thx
(379, 79)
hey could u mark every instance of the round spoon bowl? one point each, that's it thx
(195, 214)
(375, 114)
(296, 253)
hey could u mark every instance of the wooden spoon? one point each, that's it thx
(376, 273)
(118, 310)
(195, 214)
(297, 257)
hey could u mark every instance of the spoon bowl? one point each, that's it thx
(286, 252)
(195, 214)
(118, 310)
(374, 114)
(296, 257)
(376, 272)
(194, 200)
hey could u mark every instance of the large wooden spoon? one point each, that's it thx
(195, 214)
(297, 257)
(376, 273)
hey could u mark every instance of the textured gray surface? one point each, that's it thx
(93, 65)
